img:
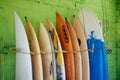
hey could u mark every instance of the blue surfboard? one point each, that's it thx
(105, 62)
(96, 45)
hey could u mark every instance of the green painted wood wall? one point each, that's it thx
(38, 10)
(118, 38)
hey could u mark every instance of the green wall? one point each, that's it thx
(38, 10)
(118, 38)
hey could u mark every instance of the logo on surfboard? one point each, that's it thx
(66, 37)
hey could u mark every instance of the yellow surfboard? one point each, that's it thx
(60, 68)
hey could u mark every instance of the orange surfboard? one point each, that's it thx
(77, 53)
(34, 47)
(65, 40)
(83, 46)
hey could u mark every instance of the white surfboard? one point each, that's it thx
(23, 58)
(89, 24)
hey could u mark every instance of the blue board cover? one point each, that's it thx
(98, 60)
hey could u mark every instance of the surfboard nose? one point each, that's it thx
(57, 14)
(59, 19)
(48, 25)
(15, 14)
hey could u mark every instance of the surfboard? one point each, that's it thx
(105, 61)
(34, 47)
(53, 58)
(95, 43)
(65, 40)
(60, 68)
(102, 47)
(76, 49)
(83, 47)
(47, 56)
(23, 57)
